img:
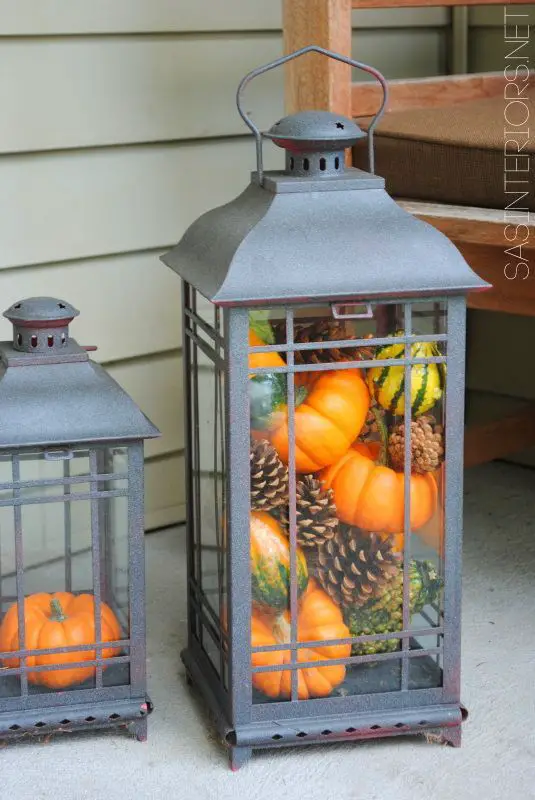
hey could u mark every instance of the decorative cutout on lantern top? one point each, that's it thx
(312, 131)
(40, 324)
(314, 142)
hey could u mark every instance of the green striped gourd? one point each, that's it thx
(387, 384)
(270, 564)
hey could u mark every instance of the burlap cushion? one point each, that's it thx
(455, 154)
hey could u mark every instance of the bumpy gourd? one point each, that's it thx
(270, 563)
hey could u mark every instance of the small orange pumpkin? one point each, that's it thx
(319, 619)
(432, 533)
(58, 620)
(371, 496)
(261, 360)
(327, 421)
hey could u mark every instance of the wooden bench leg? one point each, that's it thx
(313, 81)
(499, 438)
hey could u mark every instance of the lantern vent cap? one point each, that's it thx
(51, 393)
(310, 131)
(41, 311)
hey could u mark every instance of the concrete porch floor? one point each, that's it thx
(182, 760)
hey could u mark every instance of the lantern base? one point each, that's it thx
(439, 724)
(128, 713)
(238, 756)
(344, 728)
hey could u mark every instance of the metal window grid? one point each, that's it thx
(127, 607)
(230, 631)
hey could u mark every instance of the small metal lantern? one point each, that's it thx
(72, 581)
(324, 451)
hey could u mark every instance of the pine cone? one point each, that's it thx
(427, 445)
(370, 430)
(315, 512)
(328, 331)
(356, 566)
(269, 477)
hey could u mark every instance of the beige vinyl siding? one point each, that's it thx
(118, 129)
(65, 205)
(96, 286)
(51, 17)
(99, 91)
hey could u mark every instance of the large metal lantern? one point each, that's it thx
(72, 627)
(324, 335)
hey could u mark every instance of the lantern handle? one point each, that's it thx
(59, 454)
(283, 60)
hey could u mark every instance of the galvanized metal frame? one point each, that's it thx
(243, 723)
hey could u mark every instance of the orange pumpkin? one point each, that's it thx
(319, 619)
(261, 360)
(58, 620)
(432, 533)
(371, 496)
(327, 420)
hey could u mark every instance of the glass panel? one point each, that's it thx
(115, 549)
(348, 470)
(270, 587)
(211, 647)
(7, 534)
(427, 456)
(371, 677)
(56, 565)
(267, 326)
(115, 576)
(429, 319)
(270, 533)
(206, 323)
(208, 471)
(205, 310)
(425, 671)
(6, 478)
(210, 487)
(10, 685)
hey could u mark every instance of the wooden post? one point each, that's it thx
(314, 81)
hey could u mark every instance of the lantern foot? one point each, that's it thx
(238, 756)
(140, 729)
(452, 736)
(447, 736)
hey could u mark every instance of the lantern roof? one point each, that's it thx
(314, 130)
(296, 239)
(317, 231)
(51, 393)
